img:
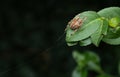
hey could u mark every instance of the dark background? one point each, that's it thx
(29, 30)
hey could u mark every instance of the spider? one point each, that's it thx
(76, 23)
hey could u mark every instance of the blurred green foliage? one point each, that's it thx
(86, 62)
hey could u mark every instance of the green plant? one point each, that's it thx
(87, 61)
(92, 27)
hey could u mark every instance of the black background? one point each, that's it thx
(29, 30)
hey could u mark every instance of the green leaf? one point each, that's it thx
(113, 33)
(79, 58)
(71, 43)
(94, 66)
(110, 12)
(105, 27)
(82, 73)
(85, 42)
(89, 26)
(115, 41)
(88, 60)
(97, 36)
(76, 74)
(85, 32)
(91, 56)
(112, 37)
(93, 61)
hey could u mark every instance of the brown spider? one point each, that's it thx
(76, 22)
